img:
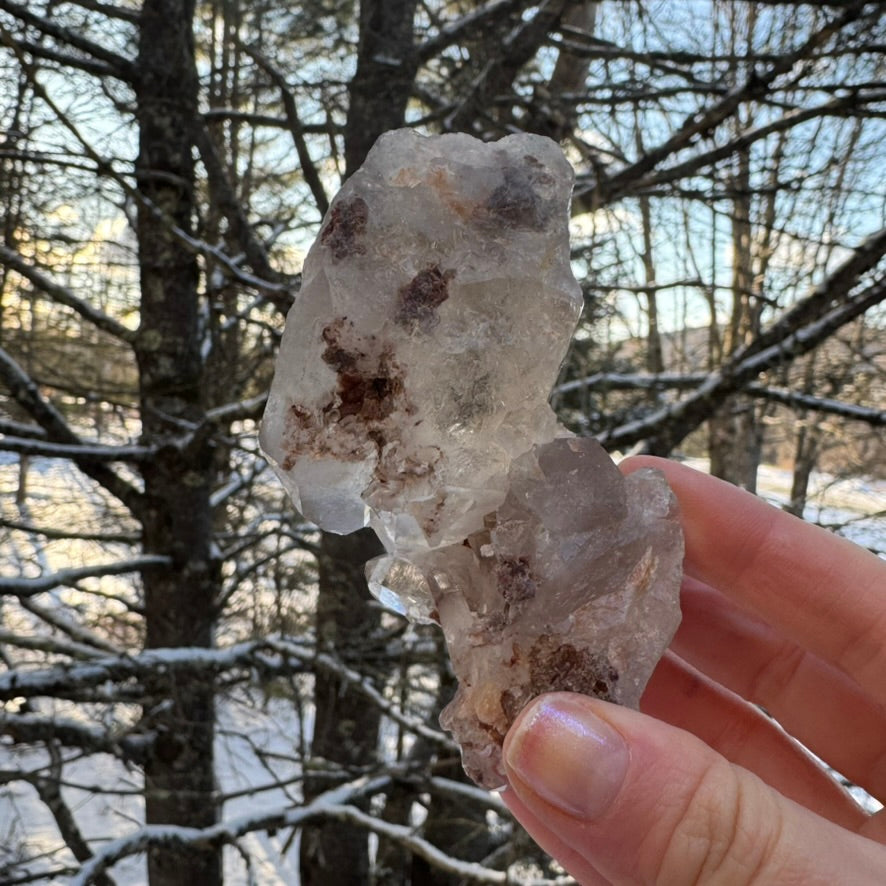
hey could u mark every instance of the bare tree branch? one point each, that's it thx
(333, 804)
(64, 59)
(468, 26)
(224, 833)
(826, 405)
(49, 790)
(679, 61)
(59, 618)
(30, 587)
(605, 190)
(97, 452)
(280, 293)
(270, 656)
(21, 429)
(500, 70)
(122, 67)
(230, 206)
(634, 381)
(842, 106)
(54, 533)
(26, 393)
(31, 728)
(832, 290)
(109, 9)
(64, 296)
(251, 408)
(236, 115)
(50, 645)
(296, 130)
(665, 428)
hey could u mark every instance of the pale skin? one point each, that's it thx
(701, 787)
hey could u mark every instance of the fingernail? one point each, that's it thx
(567, 755)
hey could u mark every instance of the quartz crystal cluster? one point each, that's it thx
(411, 395)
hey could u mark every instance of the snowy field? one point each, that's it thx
(853, 507)
(256, 767)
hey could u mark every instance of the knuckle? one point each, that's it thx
(724, 832)
(863, 656)
(776, 674)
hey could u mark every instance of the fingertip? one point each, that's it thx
(561, 750)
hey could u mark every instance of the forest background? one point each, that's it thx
(196, 686)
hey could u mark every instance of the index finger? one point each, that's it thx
(823, 592)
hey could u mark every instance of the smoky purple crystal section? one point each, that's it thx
(411, 395)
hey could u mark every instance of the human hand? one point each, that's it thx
(702, 787)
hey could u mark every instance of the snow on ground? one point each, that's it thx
(257, 745)
(255, 751)
(853, 506)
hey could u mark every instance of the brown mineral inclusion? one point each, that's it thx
(411, 395)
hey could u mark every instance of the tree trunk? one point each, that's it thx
(176, 521)
(735, 435)
(386, 66)
(807, 445)
(735, 440)
(654, 352)
(552, 114)
(345, 726)
(806, 450)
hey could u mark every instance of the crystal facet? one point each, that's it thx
(411, 394)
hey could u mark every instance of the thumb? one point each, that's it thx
(619, 797)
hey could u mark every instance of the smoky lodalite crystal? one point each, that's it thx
(411, 395)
